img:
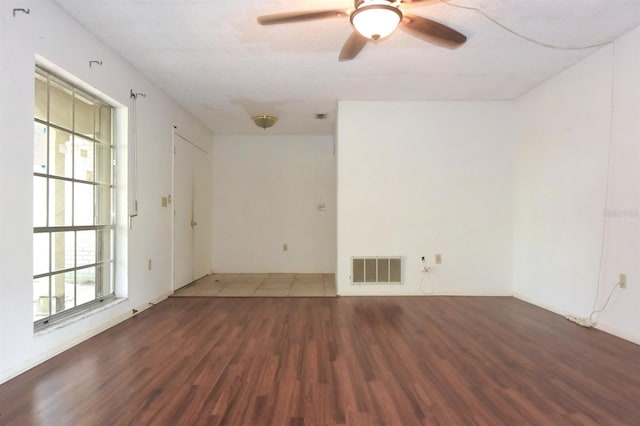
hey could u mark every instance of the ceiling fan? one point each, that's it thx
(374, 20)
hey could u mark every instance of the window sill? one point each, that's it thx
(62, 323)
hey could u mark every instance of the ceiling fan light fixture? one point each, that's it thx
(376, 19)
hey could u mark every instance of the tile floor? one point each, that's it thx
(261, 285)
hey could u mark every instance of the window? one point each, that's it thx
(73, 200)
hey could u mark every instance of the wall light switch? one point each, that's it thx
(149, 265)
(438, 259)
(285, 247)
(321, 207)
(165, 201)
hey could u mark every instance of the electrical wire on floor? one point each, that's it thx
(589, 322)
(425, 273)
(597, 311)
(524, 37)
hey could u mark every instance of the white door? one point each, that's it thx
(201, 213)
(190, 205)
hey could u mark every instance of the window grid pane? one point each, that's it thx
(83, 205)
(60, 153)
(62, 250)
(41, 298)
(40, 197)
(60, 105)
(41, 102)
(60, 202)
(74, 199)
(40, 138)
(41, 254)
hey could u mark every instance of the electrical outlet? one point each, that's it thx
(623, 280)
(438, 259)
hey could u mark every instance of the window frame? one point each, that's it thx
(102, 258)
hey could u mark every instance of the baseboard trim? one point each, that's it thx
(621, 334)
(604, 328)
(399, 291)
(33, 362)
(539, 304)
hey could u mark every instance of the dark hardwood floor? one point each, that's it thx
(356, 361)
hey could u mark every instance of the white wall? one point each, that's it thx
(566, 128)
(52, 34)
(420, 178)
(266, 192)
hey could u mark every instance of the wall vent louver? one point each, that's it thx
(376, 270)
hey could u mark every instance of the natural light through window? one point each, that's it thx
(73, 199)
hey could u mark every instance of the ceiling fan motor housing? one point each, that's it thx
(358, 3)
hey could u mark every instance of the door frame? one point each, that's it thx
(175, 133)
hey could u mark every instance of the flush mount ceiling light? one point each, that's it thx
(376, 19)
(264, 121)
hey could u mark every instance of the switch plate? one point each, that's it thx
(164, 201)
(149, 264)
(623, 280)
(438, 259)
(285, 247)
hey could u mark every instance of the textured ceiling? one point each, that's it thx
(213, 58)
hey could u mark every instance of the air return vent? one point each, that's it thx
(376, 270)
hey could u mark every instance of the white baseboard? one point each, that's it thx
(29, 364)
(153, 302)
(539, 304)
(621, 334)
(390, 291)
(604, 328)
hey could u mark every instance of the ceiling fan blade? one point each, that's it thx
(419, 1)
(309, 15)
(432, 31)
(354, 45)
(410, 4)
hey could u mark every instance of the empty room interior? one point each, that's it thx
(319, 212)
